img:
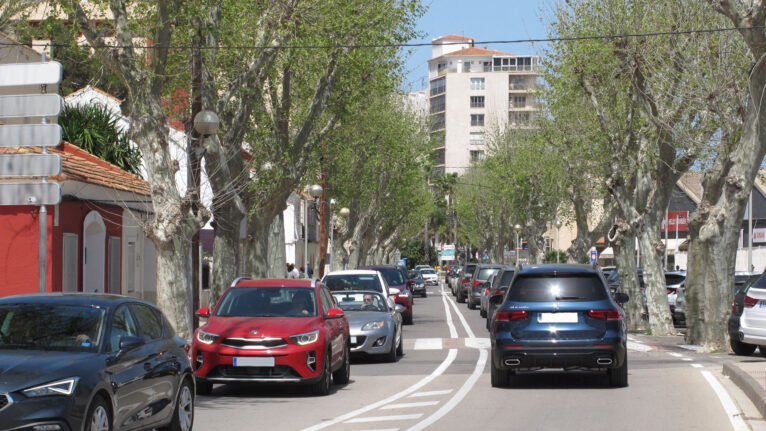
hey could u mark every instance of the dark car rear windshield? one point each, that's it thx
(353, 282)
(760, 283)
(563, 288)
(505, 279)
(392, 276)
(485, 273)
(673, 279)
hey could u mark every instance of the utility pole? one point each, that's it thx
(194, 150)
(322, 222)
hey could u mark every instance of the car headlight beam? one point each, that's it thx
(304, 339)
(59, 387)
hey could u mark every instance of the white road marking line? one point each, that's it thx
(478, 343)
(384, 418)
(462, 319)
(735, 415)
(461, 393)
(451, 355)
(430, 393)
(686, 359)
(697, 365)
(638, 347)
(387, 429)
(409, 405)
(428, 344)
(677, 355)
(450, 324)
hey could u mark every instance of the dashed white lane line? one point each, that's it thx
(387, 429)
(638, 347)
(430, 393)
(735, 415)
(428, 344)
(686, 359)
(384, 418)
(478, 343)
(674, 354)
(409, 405)
(697, 365)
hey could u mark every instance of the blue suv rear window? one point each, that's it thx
(561, 288)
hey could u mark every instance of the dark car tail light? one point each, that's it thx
(750, 302)
(605, 314)
(410, 283)
(466, 280)
(508, 316)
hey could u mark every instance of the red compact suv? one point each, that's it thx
(275, 331)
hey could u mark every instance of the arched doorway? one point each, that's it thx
(94, 244)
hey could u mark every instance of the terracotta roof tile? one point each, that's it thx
(453, 36)
(79, 165)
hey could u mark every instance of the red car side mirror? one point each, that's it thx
(203, 312)
(335, 313)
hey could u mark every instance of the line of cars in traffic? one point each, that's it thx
(547, 316)
(74, 361)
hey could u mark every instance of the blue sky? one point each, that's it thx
(482, 20)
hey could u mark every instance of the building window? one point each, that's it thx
(518, 83)
(477, 156)
(439, 156)
(477, 119)
(438, 103)
(437, 139)
(438, 86)
(477, 138)
(518, 118)
(477, 83)
(517, 101)
(477, 101)
(437, 121)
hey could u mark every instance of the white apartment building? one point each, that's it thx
(472, 90)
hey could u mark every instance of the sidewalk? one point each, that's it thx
(750, 375)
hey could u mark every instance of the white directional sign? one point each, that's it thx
(30, 105)
(30, 193)
(30, 135)
(30, 165)
(30, 73)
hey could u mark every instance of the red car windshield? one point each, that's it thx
(268, 302)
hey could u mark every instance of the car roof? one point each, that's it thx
(377, 267)
(374, 292)
(490, 266)
(353, 272)
(72, 298)
(558, 267)
(274, 282)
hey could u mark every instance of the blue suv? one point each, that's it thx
(558, 316)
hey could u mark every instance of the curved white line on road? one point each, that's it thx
(462, 319)
(734, 414)
(452, 329)
(451, 355)
(459, 395)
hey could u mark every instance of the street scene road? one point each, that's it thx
(442, 382)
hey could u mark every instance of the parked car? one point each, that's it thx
(675, 281)
(416, 283)
(473, 290)
(419, 267)
(397, 279)
(747, 321)
(376, 327)
(558, 316)
(430, 276)
(499, 284)
(459, 289)
(73, 360)
(273, 331)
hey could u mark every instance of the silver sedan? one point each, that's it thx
(374, 322)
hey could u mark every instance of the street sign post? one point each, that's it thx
(30, 165)
(18, 74)
(31, 135)
(30, 193)
(30, 105)
(593, 256)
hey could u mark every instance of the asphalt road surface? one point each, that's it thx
(442, 383)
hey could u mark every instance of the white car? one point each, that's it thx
(419, 267)
(430, 276)
(752, 323)
(360, 279)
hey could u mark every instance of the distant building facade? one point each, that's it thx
(472, 90)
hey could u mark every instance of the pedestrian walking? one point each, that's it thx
(293, 272)
(309, 270)
(301, 274)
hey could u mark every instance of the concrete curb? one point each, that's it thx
(749, 386)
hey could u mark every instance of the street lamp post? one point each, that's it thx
(558, 245)
(205, 123)
(331, 248)
(517, 229)
(315, 191)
